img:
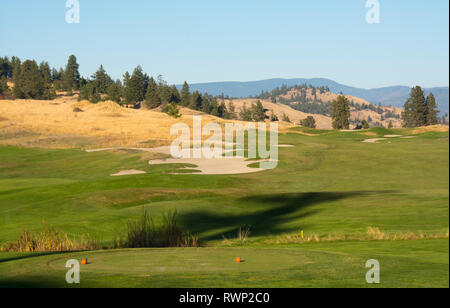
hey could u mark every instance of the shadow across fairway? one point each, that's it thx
(34, 282)
(278, 211)
(33, 255)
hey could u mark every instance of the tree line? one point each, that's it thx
(33, 81)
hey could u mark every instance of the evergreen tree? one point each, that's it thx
(174, 95)
(391, 124)
(115, 91)
(29, 83)
(46, 73)
(3, 85)
(340, 113)
(246, 114)
(206, 106)
(432, 112)
(72, 75)
(16, 65)
(309, 122)
(165, 93)
(231, 111)
(415, 109)
(286, 118)
(136, 86)
(365, 124)
(90, 92)
(171, 109)
(197, 101)
(185, 95)
(152, 99)
(5, 68)
(103, 80)
(222, 110)
(258, 112)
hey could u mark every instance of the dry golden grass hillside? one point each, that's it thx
(67, 123)
(323, 122)
(356, 115)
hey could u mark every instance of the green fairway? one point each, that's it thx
(331, 184)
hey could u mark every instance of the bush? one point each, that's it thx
(309, 122)
(172, 110)
(143, 233)
(51, 240)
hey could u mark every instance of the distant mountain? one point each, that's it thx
(395, 95)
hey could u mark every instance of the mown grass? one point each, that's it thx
(331, 184)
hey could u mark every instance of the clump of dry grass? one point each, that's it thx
(143, 233)
(49, 240)
(372, 234)
(242, 236)
(243, 233)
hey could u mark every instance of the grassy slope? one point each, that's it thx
(327, 184)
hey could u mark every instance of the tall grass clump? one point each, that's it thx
(49, 240)
(144, 233)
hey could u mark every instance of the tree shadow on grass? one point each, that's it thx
(284, 208)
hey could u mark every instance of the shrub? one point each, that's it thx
(309, 122)
(51, 240)
(143, 233)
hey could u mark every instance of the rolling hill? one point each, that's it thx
(395, 95)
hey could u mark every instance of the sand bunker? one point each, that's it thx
(128, 172)
(408, 137)
(392, 136)
(286, 146)
(213, 166)
(374, 140)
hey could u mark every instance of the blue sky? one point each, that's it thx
(207, 40)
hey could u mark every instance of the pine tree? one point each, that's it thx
(29, 83)
(16, 65)
(415, 109)
(309, 122)
(103, 80)
(46, 73)
(197, 101)
(365, 124)
(136, 86)
(185, 95)
(286, 118)
(90, 92)
(432, 112)
(115, 91)
(72, 75)
(231, 111)
(152, 99)
(246, 114)
(340, 113)
(258, 112)
(165, 93)
(5, 68)
(3, 85)
(174, 95)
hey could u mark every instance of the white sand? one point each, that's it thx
(392, 136)
(235, 165)
(128, 172)
(374, 140)
(213, 166)
(408, 137)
